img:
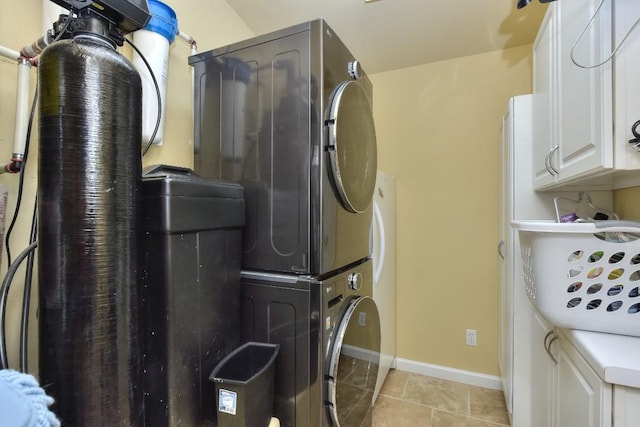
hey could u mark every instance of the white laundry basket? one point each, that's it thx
(583, 275)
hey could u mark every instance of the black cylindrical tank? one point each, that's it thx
(88, 200)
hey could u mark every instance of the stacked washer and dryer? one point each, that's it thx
(289, 116)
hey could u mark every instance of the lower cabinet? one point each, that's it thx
(626, 406)
(582, 398)
(542, 373)
(567, 392)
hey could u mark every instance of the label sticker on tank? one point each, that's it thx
(327, 323)
(227, 401)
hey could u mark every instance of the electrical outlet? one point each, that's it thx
(472, 337)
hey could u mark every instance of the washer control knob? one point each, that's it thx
(355, 281)
(355, 71)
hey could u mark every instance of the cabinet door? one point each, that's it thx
(583, 399)
(584, 114)
(543, 96)
(627, 84)
(505, 359)
(626, 411)
(542, 375)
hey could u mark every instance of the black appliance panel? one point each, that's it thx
(255, 130)
(303, 314)
(260, 114)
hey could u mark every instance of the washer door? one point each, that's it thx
(352, 146)
(353, 364)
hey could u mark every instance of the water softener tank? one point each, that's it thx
(89, 183)
(192, 249)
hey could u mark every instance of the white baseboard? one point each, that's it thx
(450, 374)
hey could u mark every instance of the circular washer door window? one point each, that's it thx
(352, 146)
(353, 363)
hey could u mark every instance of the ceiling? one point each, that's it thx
(391, 34)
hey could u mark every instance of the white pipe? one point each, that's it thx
(22, 108)
(186, 37)
(194, 49)
(9, 53)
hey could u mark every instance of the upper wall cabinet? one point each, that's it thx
(544, 110)
(627, 83)
(578, 92)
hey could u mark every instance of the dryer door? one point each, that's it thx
(353, 364)
(352, 146)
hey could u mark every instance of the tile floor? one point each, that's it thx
(411, 400)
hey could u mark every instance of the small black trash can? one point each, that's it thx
(244, 385)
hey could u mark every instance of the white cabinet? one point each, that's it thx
(584, 95)
(532, 382)
(505, 332)
(582, 398)
(544, 145)
(517, 201)
(538, 391)
(572, 105)
(566, 392)
(584, 107)
(541, 373)
(626, 410)
(626, 84)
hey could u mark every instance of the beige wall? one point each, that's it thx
(626, 203)
(212, 23)
(437, 128)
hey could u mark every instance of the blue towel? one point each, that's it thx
(23, 403)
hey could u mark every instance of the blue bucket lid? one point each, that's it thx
(163, 20)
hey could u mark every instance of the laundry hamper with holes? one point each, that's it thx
(583, 275)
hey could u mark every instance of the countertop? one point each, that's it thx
(615, 358)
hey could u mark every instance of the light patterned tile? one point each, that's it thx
(390, 412)
(488, 405)
(448, 403)
(439, 394)
(395, 383)
(448, 419)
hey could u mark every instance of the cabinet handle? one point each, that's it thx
(546, 337)
(551, 153)
(547, 165)
(547, 344)
(555, 337)
(500, 246)
(547, 161)
(635, 141)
